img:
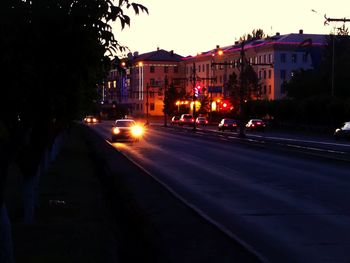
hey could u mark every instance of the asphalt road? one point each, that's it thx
(284, 207)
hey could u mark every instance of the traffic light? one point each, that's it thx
(197, 91)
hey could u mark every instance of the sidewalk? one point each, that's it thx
(97, 206)
(72, 221)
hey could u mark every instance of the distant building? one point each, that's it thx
(150, 75)
(274, 59)
(140, 85)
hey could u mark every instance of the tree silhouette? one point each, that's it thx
(53, 54)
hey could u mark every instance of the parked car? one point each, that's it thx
(343, 132)
(227, 124)
(126, 129)
(91, 119)
(256, 125)
(175, 120)
(186, 119)
(202, 121)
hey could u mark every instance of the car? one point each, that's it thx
(175, 120)
(202, 121)
(343, 131)
(256, 125)
(126, 129)
(91, 119)
(227, 124)
(186, 119)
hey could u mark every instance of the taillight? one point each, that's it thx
(192, 120)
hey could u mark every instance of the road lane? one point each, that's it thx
(282, 206)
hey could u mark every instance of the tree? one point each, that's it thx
(53, 54)
(256, 34)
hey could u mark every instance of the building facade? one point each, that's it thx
(274, 59)
(143, 82)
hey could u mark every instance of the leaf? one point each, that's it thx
(139, 6)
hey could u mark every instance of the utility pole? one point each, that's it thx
(166, 102)
(335, 20)
(147, 104)
(194, 96)
(241, 133)
(326, 22)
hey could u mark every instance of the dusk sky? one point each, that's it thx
(192, 26)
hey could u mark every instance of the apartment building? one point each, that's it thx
(274, 59)
(141, 86)
(150, 75)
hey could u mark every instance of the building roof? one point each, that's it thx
(288, 39)
(158, 55)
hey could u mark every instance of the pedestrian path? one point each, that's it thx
(71, 222)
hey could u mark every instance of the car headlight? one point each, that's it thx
(137, 131)
(116, 130)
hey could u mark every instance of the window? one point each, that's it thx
(270, 58)
(269, 89)
(264, 89)
(283, 88)
(294, 58)
(176, 69)
(304, 58)
(151, 69)
(283, 58)
(203, 67)
(199, 68)
(166, 69)
(152, 82)
(151, 106)
(270, 73)
(264, 74)
(283, 74)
